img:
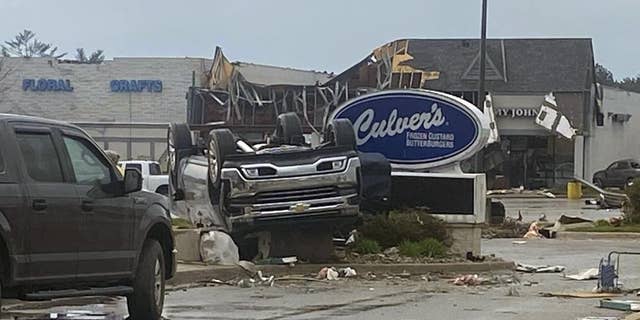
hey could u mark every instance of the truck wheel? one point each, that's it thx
(289, 129)
(180, 145)
(221, 144)
(147, 298)
(340, 132)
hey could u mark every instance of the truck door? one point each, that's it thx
(107, 223)
(13, 215)
(52, 235)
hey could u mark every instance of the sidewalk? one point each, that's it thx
(193, 273)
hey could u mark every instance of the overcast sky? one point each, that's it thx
(320, 34)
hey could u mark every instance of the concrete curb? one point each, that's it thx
(187, 274)
(571, 235)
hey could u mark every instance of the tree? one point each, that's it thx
(604, 76)
(25, 44)
(96, 57)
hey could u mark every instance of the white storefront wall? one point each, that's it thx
(614, 140)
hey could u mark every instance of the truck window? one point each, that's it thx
(134, 166)
(40, 156)
(1, 163)
(88, 167)
(154, 169)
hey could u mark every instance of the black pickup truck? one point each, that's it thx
(72, 225)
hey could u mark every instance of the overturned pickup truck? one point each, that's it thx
(281, 197)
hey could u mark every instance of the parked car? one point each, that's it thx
(618, 174)
(283, 184)
(152, 178)
(72, 225)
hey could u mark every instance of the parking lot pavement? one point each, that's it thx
(412, 298)
(532, 208)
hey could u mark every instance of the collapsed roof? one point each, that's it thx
(223, 71)
(513, 65)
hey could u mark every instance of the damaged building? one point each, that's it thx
(519, 73)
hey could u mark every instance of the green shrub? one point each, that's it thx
(602, 223)
(433, 248)
(426, 248)
(366, 246)
(632, 209)
(400, 225)
(410, 249)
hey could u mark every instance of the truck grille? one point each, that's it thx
(295, 195)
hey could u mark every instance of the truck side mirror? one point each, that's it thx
(132, 180)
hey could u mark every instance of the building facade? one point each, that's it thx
(151, 92)
(106, 98)
(616, 138)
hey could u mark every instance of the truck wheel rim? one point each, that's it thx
(213, 161)
(157, 283)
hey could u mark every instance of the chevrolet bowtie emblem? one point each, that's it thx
(299, 207)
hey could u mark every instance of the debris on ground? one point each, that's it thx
(538, 268)
(513, 292)
(468, 280)
(622, 305)
(584, 294)
(588, 274)
(607, 199)
(599, 318)
(331, 273)
(282, 260)
(509, 228)
(347, 272)
(258, 281)
(568, 222)
(534, 232)
(217, 247)
(249, 267)
(519, 242)
(299, 278)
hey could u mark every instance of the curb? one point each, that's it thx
(187, 274)
(571, 235)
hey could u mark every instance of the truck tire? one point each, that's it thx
(340, 133)
(147, 299)
(180, 146)
(221, 144)
(289, 129)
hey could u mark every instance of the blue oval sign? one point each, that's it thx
(416, 128)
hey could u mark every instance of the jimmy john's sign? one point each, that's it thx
(516, 112)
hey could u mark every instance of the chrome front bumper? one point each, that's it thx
(293, 195)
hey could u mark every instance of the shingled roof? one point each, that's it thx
(513, 65)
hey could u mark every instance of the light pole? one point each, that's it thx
(483, 55)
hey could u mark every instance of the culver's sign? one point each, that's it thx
(416, 129)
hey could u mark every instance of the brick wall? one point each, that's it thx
(92, 98)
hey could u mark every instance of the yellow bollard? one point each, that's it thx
(574, 190)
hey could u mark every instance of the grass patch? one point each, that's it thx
(366, 246)
(426, 248)
(609, 228)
